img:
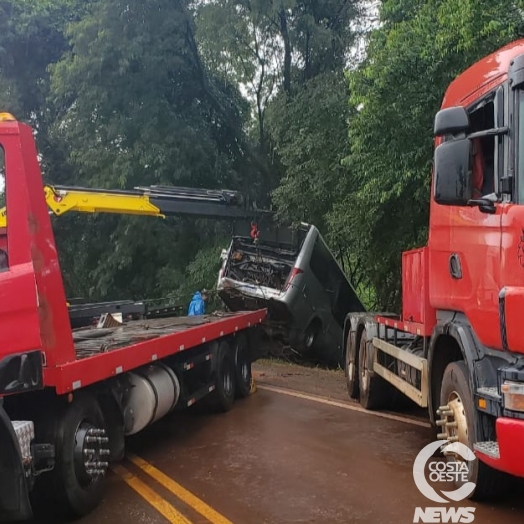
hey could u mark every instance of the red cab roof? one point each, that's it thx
(482, 76)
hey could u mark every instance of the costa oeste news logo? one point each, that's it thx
(440, 471)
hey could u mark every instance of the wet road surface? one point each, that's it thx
(277, 458)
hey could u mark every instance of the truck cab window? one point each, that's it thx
(2, 177)
(520, 148)
(483, 149)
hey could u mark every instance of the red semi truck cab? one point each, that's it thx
(476, 240)
(69, 398)
(457, 347)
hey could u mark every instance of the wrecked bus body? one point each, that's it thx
(298, 280)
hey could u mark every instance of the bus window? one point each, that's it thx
(321, 263)
(342, 296)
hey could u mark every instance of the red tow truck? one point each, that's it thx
(69, 398)
(457, 349)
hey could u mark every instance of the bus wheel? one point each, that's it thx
(311, 334)
(82, 457)
(242, 367)
(223, 397)
(457, 423)
(373, 388)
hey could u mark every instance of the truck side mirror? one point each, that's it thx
(453, 177)
(451, 121)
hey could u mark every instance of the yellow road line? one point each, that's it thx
(344, 405)
(183, 494)
(162, 506)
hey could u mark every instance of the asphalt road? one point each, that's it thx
(278, 458)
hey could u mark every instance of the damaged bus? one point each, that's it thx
(297, 278)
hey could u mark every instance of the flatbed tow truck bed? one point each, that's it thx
(109, 352)
(92, 341)
(70, 397)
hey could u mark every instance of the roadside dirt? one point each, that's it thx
(320, 381)
(313, 380)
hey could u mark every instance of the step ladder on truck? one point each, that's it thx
(457, 349)
(69, 398)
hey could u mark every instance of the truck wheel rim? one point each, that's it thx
(454, 423)
(459, 430)
(91, 453)
(363, 368)
(351, 370)
(244, 370)
(227, 382)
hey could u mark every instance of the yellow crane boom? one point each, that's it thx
(158, 201)
(61, 201)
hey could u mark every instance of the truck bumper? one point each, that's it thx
(14, 495)
(509, 457)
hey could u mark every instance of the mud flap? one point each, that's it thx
(14, 496)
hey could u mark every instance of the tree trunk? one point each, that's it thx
(260, 109)
(287, 51)
(307, 67)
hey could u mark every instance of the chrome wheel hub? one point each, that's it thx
(91, 453)
(453, 423)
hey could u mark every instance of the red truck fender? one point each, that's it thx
(450, 342)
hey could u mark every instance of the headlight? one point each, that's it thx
(513, 396)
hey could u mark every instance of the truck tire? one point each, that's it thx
(72, 485)
(374, 390)
(351, 370)
(223, 397)
(242, 367)
(455, 393)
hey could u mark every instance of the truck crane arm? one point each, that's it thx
(159, 201)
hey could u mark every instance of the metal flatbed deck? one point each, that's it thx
(92, 341)
(105, 353)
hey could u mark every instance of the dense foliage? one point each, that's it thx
(263, 96)
(420, 47)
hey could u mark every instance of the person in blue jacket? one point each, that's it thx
(198, 304)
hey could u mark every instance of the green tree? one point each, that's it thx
(291, 57)
(136, 106)
(238, 40)
(274, 46)
(31, 38)
(411, 58)
(308, 122)
(309, 135)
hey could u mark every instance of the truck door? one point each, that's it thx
(465, 242)
(512, 256)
